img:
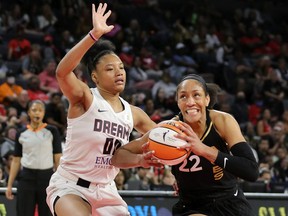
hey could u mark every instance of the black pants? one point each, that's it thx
(31, 191)
(228, 205)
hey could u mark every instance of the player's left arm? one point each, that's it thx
(241, 162)
(142, 122)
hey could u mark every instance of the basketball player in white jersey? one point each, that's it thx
(99, 122)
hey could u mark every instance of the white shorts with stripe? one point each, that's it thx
(104, 199)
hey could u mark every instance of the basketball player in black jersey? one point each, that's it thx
(219, 154)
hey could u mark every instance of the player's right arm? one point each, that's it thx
(134, 154)
(74, 89)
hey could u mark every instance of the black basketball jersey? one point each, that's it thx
(196, 176)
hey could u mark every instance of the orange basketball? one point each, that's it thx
(163, 141)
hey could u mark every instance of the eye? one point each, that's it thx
(182, 96)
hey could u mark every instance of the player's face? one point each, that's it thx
(110, 75)
(192, 100)
(36, 113)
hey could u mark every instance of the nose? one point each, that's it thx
(190, 101)
(119, 72)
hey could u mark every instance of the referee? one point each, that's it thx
(36, 155)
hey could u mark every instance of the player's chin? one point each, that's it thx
(119, 88)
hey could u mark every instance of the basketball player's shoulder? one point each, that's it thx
(219, 116)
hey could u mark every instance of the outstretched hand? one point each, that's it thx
(99, 18)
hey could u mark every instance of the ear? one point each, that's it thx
(207, 100)
(94, 78)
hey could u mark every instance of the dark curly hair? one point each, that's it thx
(101, 48)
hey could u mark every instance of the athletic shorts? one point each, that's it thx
(233, 205)
(103, 199)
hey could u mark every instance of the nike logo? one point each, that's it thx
(236, 193)
(225, 161)
(101, 110)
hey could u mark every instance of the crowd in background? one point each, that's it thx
(243, 47)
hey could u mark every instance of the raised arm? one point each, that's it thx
(73, 88)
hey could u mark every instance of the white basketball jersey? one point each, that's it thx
(92, 139)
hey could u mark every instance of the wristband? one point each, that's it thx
(241, 163)
(92, 36)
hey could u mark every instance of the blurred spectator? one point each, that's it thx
(32, 63)
(138, 78)
(250, 40)
(240, 109)
(12, 118)
(166, 84)
(238, 66)
(255, 109)
(9, 140)
(18, 46)
(183, 59)
(9, 90)
(281, 169)
(50, 50)
(56, 112)
(264, 126)
(265, 177)
(279, 138)
(263, 149)
(47, 19)
(166, 183)
(127, 55)
(17, 16)
(133, 34)
(273, 94)
(34, 90)
(48, 81)
(250, 134)
(153, 113)
(3, 68)
(120, 180)
(166, 106)
(141, 180)
(21, 103)
(150, 64)
(66, 42)
(281, 155)
(282, 70)
(285, 121)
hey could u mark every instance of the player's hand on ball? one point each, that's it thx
(145, 147)
(148, 160)
(194, 144)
